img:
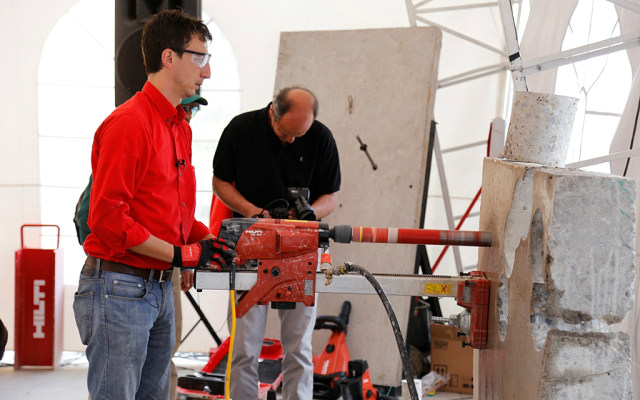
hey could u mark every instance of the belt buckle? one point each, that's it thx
(161, 278)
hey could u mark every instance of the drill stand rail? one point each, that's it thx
(471, 292)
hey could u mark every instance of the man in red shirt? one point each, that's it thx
(142, 219)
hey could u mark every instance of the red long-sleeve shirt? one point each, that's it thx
(143, 181)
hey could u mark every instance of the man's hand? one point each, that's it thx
(210, 253)
(260, 213)
(186, 279)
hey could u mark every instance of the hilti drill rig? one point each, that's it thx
(279, 259)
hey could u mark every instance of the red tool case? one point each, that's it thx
(39, 289)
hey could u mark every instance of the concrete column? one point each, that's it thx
(562, 271)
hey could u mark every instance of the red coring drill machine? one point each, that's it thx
(281, 257)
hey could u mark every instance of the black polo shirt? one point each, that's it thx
(250, 154)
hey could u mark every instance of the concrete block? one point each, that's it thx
(586, 366)
(588, 241)
(540, 128)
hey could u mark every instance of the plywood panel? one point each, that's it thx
(378, 85)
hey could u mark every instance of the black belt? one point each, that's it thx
(106, 265)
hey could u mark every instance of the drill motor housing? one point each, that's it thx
(285, 253)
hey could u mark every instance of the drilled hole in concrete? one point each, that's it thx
(517, 224)
(536, 246)
(502, 305)
(539, 310)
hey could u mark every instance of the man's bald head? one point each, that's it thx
(292, 113)
(294, 98)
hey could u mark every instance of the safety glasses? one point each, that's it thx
(191, 108)
(200, 59)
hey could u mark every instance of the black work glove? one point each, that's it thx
(215, 253)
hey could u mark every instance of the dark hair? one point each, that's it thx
(281, 103)
(169, 29)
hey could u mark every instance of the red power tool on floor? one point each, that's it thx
(332, 365)
(335, 375)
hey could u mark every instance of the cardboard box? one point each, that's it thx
(448, 356)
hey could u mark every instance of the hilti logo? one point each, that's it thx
(325, 367)
(38, 311)
(254, 232)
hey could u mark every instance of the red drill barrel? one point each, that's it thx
(412, 236)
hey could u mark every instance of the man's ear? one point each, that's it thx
(168, 57)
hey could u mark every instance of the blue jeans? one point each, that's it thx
(127, 324)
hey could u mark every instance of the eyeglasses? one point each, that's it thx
(191, 108)
(200, 59)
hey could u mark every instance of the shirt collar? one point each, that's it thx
(267, 128)
(265, 115)
(168, 113)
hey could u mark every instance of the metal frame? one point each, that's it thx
(604, 159)
(520, 69)
(511, 38)
(416, 13)
(581, 53)
(447, 199)
(473, 74)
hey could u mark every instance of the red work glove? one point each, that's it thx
(210, 253)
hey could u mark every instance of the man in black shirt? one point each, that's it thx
(260, 154)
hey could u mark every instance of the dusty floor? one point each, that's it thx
(68, 382)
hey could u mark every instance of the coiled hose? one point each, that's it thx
(404, 355)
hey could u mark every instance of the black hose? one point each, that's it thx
(404, 355)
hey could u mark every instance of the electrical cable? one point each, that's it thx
(271, 206)
(633, 136)
(232, 301)
(404, 355)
